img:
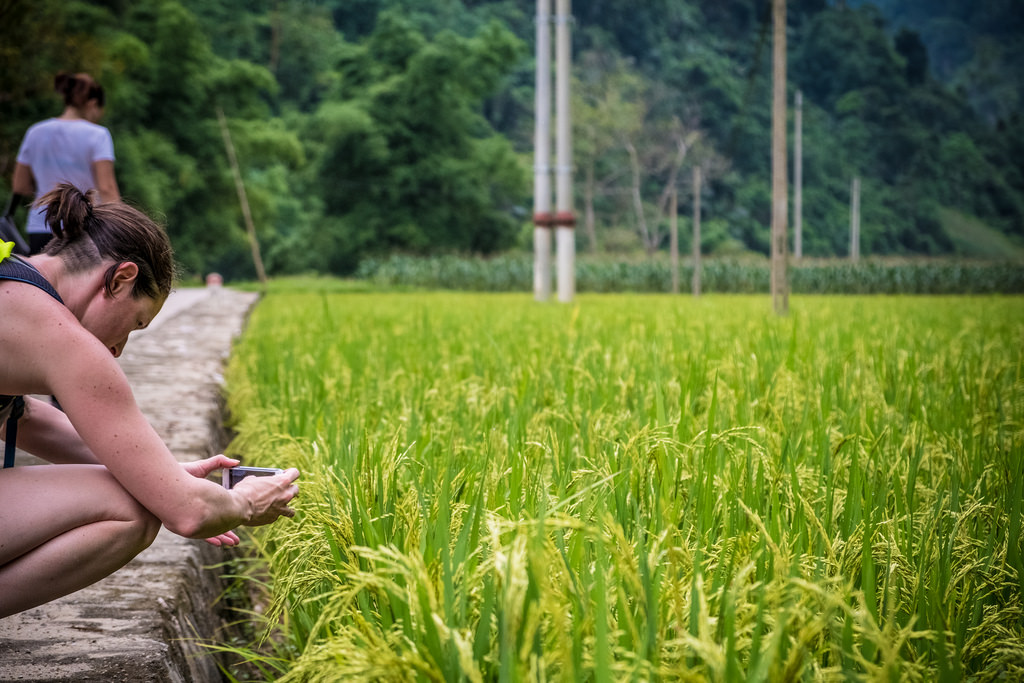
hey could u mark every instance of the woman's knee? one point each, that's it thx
(137, 526)
(143, 526)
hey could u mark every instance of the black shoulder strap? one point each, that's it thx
(12, 431)
(14, 268)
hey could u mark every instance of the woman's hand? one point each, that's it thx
(269, 496)
(202, 469)
(264, 498)
(228, 539)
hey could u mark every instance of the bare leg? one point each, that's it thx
(64, 527)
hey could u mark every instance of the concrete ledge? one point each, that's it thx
(142, 623)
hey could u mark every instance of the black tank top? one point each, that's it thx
(20, 270)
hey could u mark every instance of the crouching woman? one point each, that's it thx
(65, 316)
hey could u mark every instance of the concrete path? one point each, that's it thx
(141, 623)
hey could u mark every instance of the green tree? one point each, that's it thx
(172, 158)
(607, 110)
(405, 160)
(843, 50)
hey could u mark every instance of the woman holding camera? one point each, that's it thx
(66, 317)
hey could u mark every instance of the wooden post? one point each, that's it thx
(780, 195)
(250, 229)
(855, 220)
(543, 219)
(798, 177)
(696, 230)
(673, 239)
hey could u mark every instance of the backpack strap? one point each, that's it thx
(12, 431)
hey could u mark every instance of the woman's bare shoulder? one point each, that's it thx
(25, 307)
(40, 337)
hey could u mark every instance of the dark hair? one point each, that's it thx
(85, 234)
(78, 89)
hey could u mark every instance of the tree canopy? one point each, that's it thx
(372, 126)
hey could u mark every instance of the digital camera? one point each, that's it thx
(233, 475)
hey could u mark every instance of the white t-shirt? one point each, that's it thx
(63, 151)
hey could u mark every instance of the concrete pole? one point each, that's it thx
(855, 220)
(673, 239)
(565, 219)
(696, 230)
(780, 194)
(798, 177)
(542, 217)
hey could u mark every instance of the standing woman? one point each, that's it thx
(72, 148)
(66, 315)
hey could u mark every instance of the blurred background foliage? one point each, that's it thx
(372, 127)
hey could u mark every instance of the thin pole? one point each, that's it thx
(673, 239)
(250, 229)
(855, 220)
(542, 217)
(696, 230)
(565, 219)
(780, 198)
(798, 177)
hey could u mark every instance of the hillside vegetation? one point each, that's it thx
(371, 127)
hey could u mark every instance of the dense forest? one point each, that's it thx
(366, 127)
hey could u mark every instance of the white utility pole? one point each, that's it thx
(542, 217)
(855, 220)
(798, 177)
(696, 231)
(673, 239)
(780, 194)
(565, 219)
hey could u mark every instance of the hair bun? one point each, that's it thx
(68, 211)
(64, 82)
(78, 89)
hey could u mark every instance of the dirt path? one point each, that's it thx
(140, 623)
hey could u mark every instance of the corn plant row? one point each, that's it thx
(638, 487)
(511, 273)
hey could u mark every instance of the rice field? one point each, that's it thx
(637, 487)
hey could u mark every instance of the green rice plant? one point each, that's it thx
(638, 487)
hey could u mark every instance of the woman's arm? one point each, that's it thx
(46, 432)
(23, 182)
(57, 355)
(105, 180)
(98, 401)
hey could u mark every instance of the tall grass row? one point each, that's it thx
(514, 273)
(639, 487)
